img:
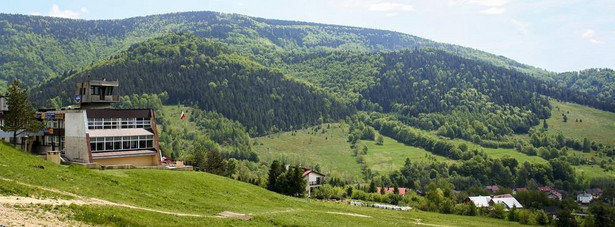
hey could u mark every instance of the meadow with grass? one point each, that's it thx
(582, 122)
(145, 197)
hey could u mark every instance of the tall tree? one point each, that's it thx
(20, 117)
(274, 171)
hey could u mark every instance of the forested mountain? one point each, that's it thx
(595, 82)
(34, 48)
(206, 73)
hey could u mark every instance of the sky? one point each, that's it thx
(556, 35)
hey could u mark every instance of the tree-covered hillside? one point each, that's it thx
(35, 48)
(595, 82)
(206, 73)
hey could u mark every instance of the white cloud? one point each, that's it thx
(55, 11)
(389, 6)
(590, 35)
(493, 11)
(595, 41)
(489, 3)
(522, 28)
(491, 7)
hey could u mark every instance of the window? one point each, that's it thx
(100, 144)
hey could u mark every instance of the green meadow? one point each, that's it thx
(326, 147)
(144, 197)
(596, 124)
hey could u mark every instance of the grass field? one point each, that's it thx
(142, 197)
(500, 152)
(597, 125)
(392, 154)
(307, 147)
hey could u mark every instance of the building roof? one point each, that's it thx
(120, 154)
(545, 189)
(480, 201)
(594, 191)
(308, 171)
(118, 113)
(508, 202)
(120, 132)
(492, 188)
(391, 190)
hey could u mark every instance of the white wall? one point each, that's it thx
(75, 143)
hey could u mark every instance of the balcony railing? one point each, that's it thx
(316, 182)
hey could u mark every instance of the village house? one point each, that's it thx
(492, 188)
(595, 192)
(488, 201)
(313, 180)
(584, 198)
(391, 190)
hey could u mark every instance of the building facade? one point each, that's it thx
(95, 133)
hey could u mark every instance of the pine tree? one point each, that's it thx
(544, 123)
(21, 115)
(372, 187)
(274, 171)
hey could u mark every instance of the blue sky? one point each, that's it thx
(557, 35)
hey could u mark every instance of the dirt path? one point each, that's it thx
(12, 201)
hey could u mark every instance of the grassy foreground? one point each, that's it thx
(200, 194)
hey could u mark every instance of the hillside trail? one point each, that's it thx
(12, 207)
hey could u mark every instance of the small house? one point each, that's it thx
(313, 180)
(584, 198)
(391, 190)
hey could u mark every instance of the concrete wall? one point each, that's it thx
(76, 146)
(148, 160)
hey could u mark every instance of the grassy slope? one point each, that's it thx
(392, 154)
(597, 125)
(330, 150)
(194, 193)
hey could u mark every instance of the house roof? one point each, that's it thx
(120, 154)
(492, 188)
(556, 194)
(594, 191)
(308, 171)
(120, 132)
(545, 189)
(520, 189)
(480, 201)
(387, 190)
(509, 202)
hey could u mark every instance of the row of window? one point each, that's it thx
(101, 144)
(98, 90)
(55, 123)
(115, 123)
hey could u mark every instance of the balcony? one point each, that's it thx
(317, 182)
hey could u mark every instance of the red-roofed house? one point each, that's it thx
(313, 180)
(391, 190)
(492, 188)
(553, 194)
(595, 192)
(546, 189)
